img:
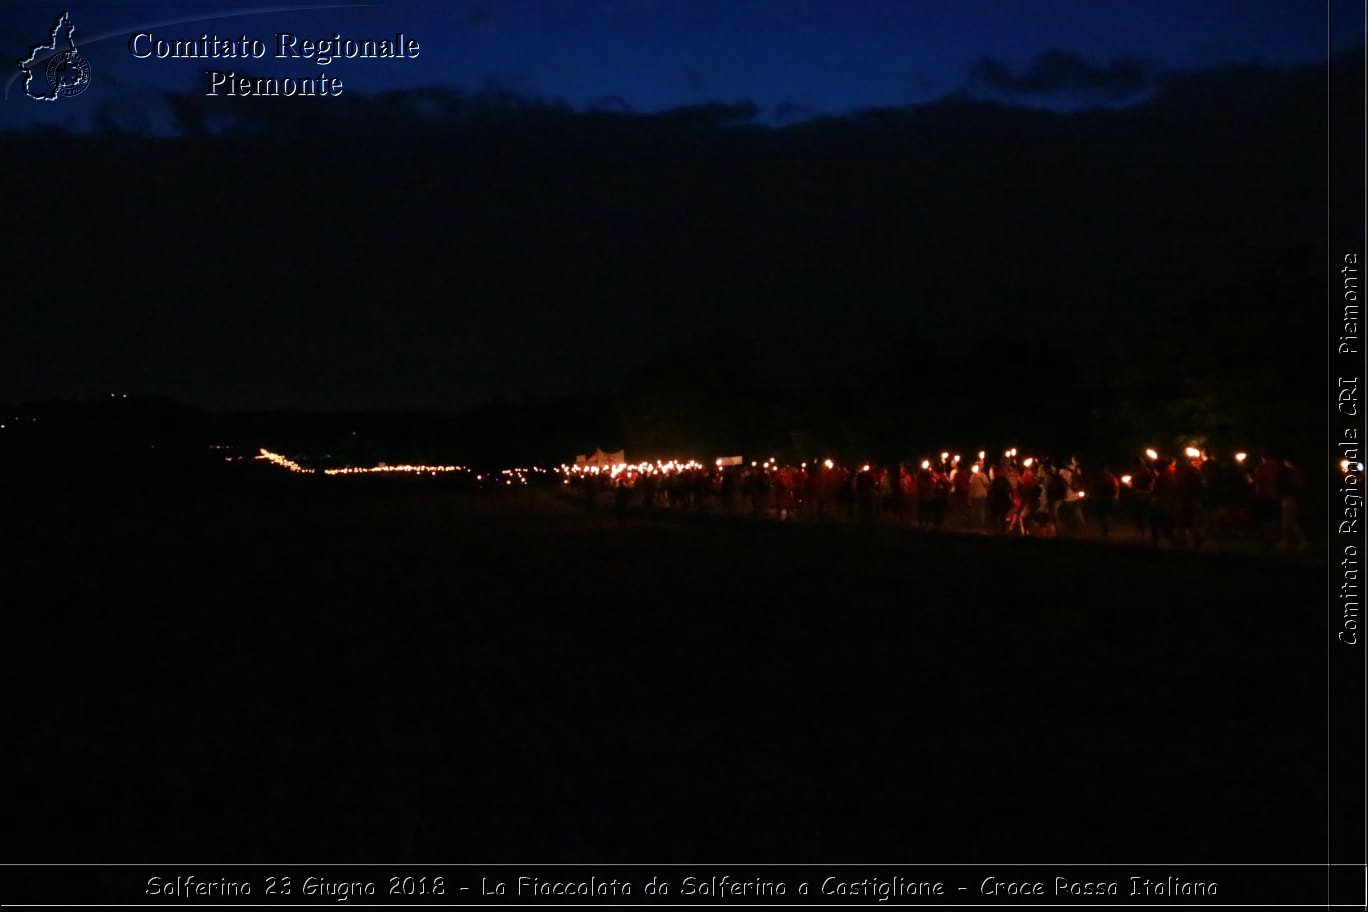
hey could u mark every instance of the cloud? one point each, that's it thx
(1063, 76)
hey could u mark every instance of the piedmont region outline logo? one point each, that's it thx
(67, 72)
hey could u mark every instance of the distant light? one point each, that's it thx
(1241, 457)
(1152, 453)
(1193, 453)
(974, 469)
(1125, 479)
(1082, 494)
(829, 464)
(983, 454)
(944, 456)
(926, 463)
(1027, 462)
(864, 468)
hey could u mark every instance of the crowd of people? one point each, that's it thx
(1180, 501)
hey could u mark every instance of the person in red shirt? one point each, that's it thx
(961, 484)
(781, 492)
(1165, 503)
(1142, 496)
(908, 480)
(1267, 508)
(1290, 485)
(1186, 516)
(1000, 497)
(1104, 489)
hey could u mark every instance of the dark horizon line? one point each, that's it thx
(748, 113)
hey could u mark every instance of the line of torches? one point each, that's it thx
(665, 467)
(505, 476)
(613, 470)
(396, 470)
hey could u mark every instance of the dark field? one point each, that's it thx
(286, 669)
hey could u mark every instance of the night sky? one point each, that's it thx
(793, 58)
(544, 202)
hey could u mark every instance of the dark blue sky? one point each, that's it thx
(817, 56)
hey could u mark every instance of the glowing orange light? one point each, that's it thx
(383, 469)
(1241, 457)
(278, 460)
(1152, 453)
(1126, 479)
